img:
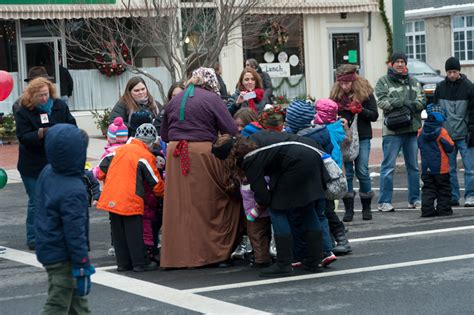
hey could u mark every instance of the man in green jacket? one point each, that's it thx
(399, 92)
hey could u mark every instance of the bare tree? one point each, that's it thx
(184, 34)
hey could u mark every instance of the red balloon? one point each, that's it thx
(6, 85)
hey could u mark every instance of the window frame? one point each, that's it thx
(463, 29)
(413, 33)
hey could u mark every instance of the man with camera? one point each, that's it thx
(401, 98)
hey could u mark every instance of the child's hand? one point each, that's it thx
(94, 203)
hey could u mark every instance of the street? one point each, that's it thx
(400, 264)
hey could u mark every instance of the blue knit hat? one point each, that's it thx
(250, 129)
(436, 112)
(299, 115)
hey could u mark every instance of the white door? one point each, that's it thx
(41, 51)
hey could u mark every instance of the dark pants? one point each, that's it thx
(335, 224)
(61, 298)
(260, 235)
(127, 235)
(436, 187)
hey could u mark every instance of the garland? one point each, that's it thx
(106, 62)
(288, 82)
(274, 37)
(388, 29)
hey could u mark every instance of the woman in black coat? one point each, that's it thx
(40, 108)
(297, 179)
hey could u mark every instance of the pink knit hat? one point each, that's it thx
(117, 132)
(326, 111)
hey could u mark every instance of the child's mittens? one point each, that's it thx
(160, 162)
(252, 215)
(83, 279)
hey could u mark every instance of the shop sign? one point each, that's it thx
(276, 70)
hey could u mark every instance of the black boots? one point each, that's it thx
(349, 206)
(315, 256)
(342, 244)
(282, 267)
(366, 200)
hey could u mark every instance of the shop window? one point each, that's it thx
(415, 40)
(8, 47)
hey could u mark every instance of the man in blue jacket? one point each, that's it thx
(61, 219)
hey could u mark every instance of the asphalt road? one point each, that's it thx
(401, 264)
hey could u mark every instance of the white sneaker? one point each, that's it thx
(469, 202)
(415, 205)
(385, 207)
(111, 251)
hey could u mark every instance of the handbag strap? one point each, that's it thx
(271, 146)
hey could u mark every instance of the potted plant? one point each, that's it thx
(8, 129)
(101, 120)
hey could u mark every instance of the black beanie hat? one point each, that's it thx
(398, 55)
(452, 64)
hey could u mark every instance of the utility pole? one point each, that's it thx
(398, 9)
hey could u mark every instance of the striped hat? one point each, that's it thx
(299, 115)
(117, 132)
(251, 128)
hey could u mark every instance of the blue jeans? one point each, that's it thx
(361, 168)
(467, 155)
(391, 145)
(296, 221)
(319, 206)
(30, 187)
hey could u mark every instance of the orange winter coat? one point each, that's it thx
(125, 172)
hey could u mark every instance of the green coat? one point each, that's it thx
(391, 93)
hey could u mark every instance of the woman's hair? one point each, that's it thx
(172, 87)
(127, 97)
(247, 115)
(28, 99)
(256, 76)
(233, 162)
(361, 88)
(254, 64)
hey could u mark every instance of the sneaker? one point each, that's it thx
(241, 250)
(329, 257)
(469, 202)
(386, 207)
(297, 264)
(111, 251)
(2, 250)
(415, 205)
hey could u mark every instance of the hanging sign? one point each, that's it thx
(276, 70)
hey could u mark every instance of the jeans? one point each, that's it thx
(320, 206)
(467, 155)
(391, 145)
(361, 168)
(296, 221)
(30, 187)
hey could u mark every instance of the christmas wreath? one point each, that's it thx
(274, 37)
(106, 60)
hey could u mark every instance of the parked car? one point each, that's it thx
(428, 78)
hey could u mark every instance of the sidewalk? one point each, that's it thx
(9, 153)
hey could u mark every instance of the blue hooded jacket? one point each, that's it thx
(320, 134)
(337, 133)
(61, 199)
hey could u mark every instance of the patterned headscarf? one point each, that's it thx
(206, 77)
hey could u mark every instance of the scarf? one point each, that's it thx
(343, 103)
(182, 152)
(46, 107)
(252, 103)
(402, 77)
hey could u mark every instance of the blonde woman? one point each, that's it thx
(40, 108)
(354, 95)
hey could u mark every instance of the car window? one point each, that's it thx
(419, 67)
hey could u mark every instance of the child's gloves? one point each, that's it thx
(252, 215)
(160, 162)
(83, 279)
(356, 108)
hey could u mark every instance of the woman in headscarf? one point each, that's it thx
(200, 218)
